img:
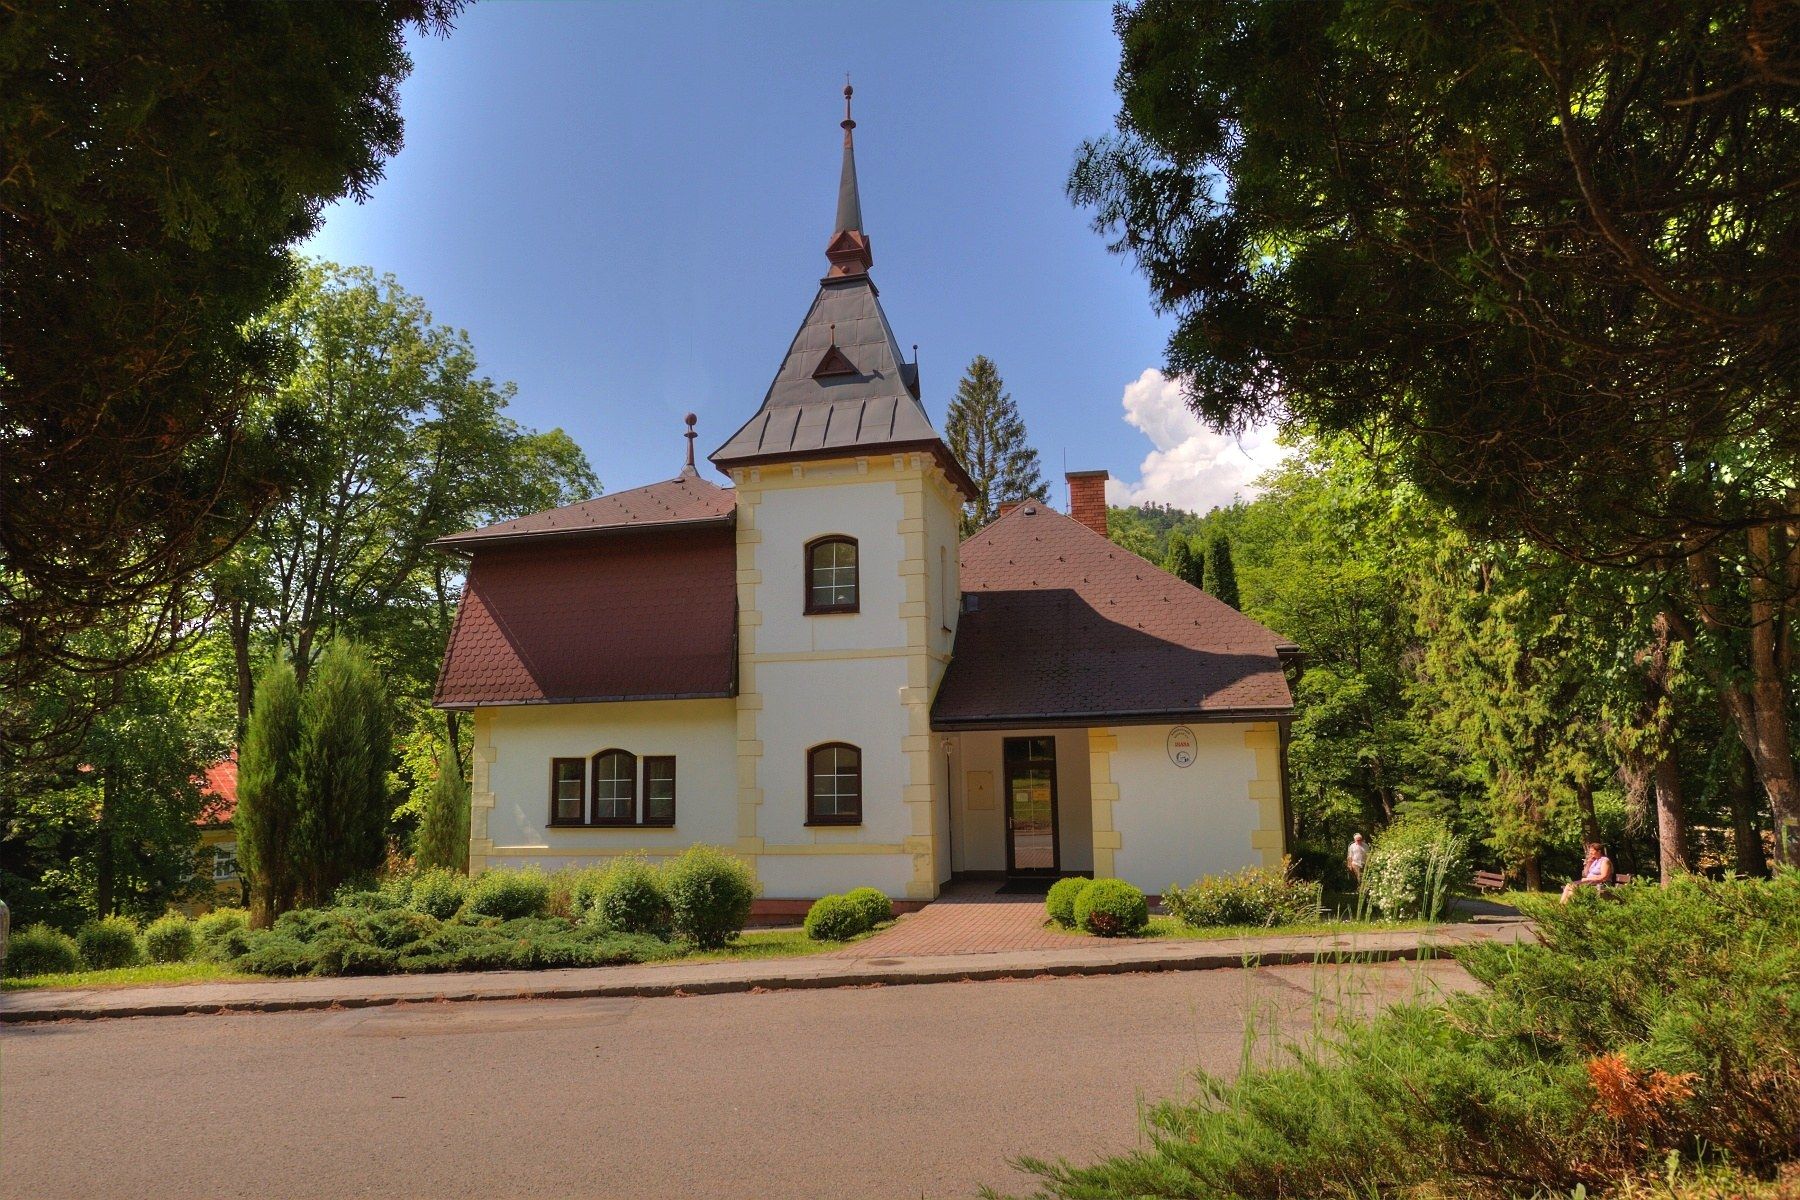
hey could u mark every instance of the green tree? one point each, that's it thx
(343, 759)
(159, 164)
(1184, 564)
(269, 795)
(444, 829)
(1543, 248)
(987, 435)
(1220, 571)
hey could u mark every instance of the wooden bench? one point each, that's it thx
(1490, 881)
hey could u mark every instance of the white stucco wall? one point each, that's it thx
(788, 517)
(978, 838)
(701, 734)
(1176, 824)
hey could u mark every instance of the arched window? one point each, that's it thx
(615, 788)
(834, 784)
(831, 575)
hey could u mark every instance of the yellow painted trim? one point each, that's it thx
(920, 792)
(784, 850)
(481, 789)
(1264, 791)
(1103, 797)
(749, 700)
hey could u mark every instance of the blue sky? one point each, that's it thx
(626, 206)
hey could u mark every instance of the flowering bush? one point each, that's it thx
(1414, 867)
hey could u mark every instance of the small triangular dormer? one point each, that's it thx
(835, 362)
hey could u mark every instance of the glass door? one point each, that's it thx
(1031, 806)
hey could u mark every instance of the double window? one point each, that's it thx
(831, 575)
(604, 790)
(834, 784)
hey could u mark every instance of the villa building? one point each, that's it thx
(806, 667)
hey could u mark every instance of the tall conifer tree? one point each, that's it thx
(444, 829)
(345, 745)
(269, 794)
(1183, 563)
(1220, 571)
(987, 435)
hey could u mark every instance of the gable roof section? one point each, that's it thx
(1062, 627)
(640, 616)
(686, 500)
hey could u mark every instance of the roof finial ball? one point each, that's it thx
(848, 92)
(690, 435)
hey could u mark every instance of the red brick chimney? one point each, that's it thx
(1087, 499)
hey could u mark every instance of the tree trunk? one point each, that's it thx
(1534, 873)
(1746, 838)
(1671, 815)
(1772, 751)
(238, 619)
(104, 900)
(1584, 800)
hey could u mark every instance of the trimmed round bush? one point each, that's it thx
(221, 934)
(835, 919)
(876, 907)
(1060, 903)
(631, 899)
(509, 895)
(438, 892)
(41, 950)
(109, 942)
(709, 896)
(1111, 908)
(170, 939)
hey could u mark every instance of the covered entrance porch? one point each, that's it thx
(1021, 804)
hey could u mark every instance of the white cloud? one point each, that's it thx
(1191, 467)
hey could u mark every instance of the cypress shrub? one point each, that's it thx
(170, 939)
(269, 794)
(1220, 571)
(1183, 563)
(444, 828)
(345, 747)
(109, 942)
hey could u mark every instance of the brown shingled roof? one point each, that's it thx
(639, 616)
(685, 500)
(1061, 626)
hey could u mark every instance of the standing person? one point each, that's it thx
(1355, 857)
(1596, 872)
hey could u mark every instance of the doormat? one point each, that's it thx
(1025, 887)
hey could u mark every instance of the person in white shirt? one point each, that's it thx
(1356, 856)
(1596, 873)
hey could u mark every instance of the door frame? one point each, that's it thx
(1006, 778)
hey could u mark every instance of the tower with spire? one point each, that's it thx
(841, 456)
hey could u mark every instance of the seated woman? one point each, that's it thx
(1596, 872)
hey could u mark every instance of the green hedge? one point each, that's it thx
(508, 894)
(1111, 908)
(876, 908)
(41, 950)
(710, 893)
(835, 919)
(1253, 896)
(170, 939)
(629, 897)
(109, 942)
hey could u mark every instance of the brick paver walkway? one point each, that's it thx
(967, 918)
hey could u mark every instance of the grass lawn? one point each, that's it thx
(1169, 927)
(752, 944)
(181, 972)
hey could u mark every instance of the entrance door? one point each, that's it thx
(1031, 806)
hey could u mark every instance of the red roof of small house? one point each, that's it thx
(1062, 627)
(218, 792)
(683, 501)
(649, 614)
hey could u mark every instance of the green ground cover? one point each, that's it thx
(138, 976)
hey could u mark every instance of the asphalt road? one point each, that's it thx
(875, 1092)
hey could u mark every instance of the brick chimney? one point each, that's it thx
(1087, 499)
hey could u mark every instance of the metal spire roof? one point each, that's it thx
(843, 386)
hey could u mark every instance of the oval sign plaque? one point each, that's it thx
(1181, 746)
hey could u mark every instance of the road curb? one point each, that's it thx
(19, 1013)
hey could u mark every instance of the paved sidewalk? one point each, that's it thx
(1084, 956)
(967, 919)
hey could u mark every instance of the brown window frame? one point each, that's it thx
(644, 791)
(594, 818)
(581, 776)
(813, 816)
(830, 539)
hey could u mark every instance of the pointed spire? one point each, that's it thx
(849, 210)
(690, 435)
(849, 247)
